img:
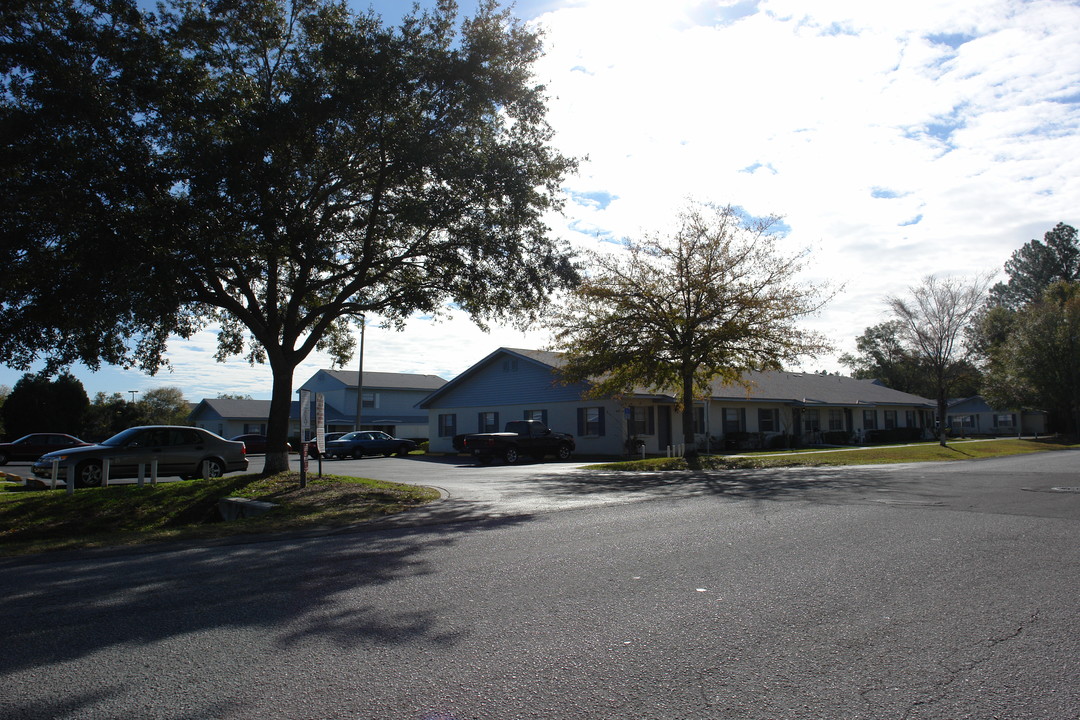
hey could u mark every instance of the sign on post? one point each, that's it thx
(305, 432)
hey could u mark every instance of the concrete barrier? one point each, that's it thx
(234, 508)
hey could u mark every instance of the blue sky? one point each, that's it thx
(896, 139)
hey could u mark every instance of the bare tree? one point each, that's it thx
(933, 320)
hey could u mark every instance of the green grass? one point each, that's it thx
(36, 521)
(928, 452)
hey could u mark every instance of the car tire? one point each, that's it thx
(511, 456)
(564, 452)
(3, 458)
(215, 469)
(88, 474)
(403, 451)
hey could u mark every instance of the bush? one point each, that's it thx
(836, 437)
(893, 436)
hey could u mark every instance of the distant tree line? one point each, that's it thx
(39, 403)
(1016, 343)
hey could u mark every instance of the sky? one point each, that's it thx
(896, 140)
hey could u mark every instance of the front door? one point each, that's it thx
(663, 427)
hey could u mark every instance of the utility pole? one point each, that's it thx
(360, 376)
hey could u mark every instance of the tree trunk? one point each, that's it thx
(688, 413)
(277, 430)
(942, 408)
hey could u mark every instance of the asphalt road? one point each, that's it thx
(915, 592)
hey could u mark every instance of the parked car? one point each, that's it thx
(521, 437)
(255, 443)
(313, 449)
(180, 451)
(368, 442)
(34, 445)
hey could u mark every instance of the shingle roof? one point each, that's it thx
(813, 389)
(388, 381)
(782, 387)
(238, 409)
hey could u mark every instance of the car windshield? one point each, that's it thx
(122, 438)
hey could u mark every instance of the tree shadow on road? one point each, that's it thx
(831, 485)
(66, 607)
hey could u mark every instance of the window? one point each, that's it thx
(909, 418)
(811, 421)
(488, 422)
(869, 419)
(836, 419)
(371, 399)
(1003, 421)
(510, 365)
(447, 425)
(254, 429)
(591, 421)
(699, 419)
(962, 422)
(642, 420)
(540, 415)
(768, 420)
(734, 419)
(890, 419)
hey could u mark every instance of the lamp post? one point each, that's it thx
(360, 376)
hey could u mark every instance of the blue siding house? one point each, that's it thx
(777, 407)
(390, 401)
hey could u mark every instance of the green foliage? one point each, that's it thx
(884, 356)
(1037, 265)
(38, 404)
(714, 300)
(1035, 360)
(278, 168)
(109, 414)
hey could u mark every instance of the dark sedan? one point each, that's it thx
(368, 442)
(255, 443)
(34, 445)
(188, 452)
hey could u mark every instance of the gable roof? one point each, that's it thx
(550, 360)
(792, 388)
(233, 409)
(386, 380)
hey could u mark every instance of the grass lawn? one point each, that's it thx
(36, 521)
(922, 452)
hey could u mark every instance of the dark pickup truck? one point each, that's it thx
(522, 438)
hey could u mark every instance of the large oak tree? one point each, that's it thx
(274, 168)
(715, 299)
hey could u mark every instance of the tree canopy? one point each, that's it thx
(714, 300)
(271, 168)
(883, 355)
(38, 403)
(1037, 265)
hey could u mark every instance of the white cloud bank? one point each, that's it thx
(896, 139)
